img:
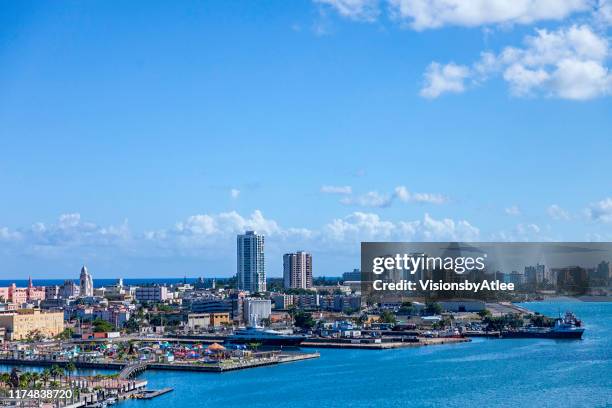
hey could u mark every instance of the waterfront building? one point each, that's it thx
(86, 282)
(462, 305)
(297, 270)
(22, 323)
(237, 302)
(154, 294)
(257, 309)
(196, 321)
(251, 267)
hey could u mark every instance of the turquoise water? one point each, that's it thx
(501, 373)
(485, 373)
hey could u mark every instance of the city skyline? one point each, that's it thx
(141, 141)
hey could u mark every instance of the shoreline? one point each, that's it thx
(387, 346)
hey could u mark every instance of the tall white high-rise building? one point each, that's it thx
(86, 282)
(297, 270)
(251, 264)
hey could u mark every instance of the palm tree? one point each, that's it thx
(45, 376)
(70, 368)
(34, 378)
(5, 378)
(24, 380)
(57, 371)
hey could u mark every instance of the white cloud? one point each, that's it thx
(600, 211)
(428, 14)
(227, 223)
(557, 213)
(513, 210)
(234, 193)
(359, 10)
(9, 236)
(444, 78)
(603, 13)
(67, 235)
(369, 199)
(431, 14)
(336, 189)
(401, 193)
(360, 226)
(568, 63)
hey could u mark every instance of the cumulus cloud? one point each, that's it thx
(439, 79)
(401, 193)
(428, 14)
(204, 235)
(66, 235)
(358, 10)
(512, 210)
(567, 63)
(600, 211)
(603, 13)
(336, 189)
(360, 226)
(431, 14)
(404, 195)
(557, 213)
(234, 193)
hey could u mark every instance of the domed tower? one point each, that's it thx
(86, 281)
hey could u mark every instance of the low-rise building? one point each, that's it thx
(462, 305)
(198, 321)
(151, 293)
(20, 324)
(257, 309)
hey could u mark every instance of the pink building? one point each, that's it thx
(15, 295)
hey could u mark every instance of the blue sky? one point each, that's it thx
(139, 139)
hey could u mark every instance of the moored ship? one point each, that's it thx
(567, 327)
(264, 337)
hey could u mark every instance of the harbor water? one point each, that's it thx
(501, 373)
(485, 372)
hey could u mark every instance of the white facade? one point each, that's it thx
(257, 309)
(151, 293)
(251, 268)
(86, 283)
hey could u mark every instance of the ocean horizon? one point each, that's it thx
(126, 281)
